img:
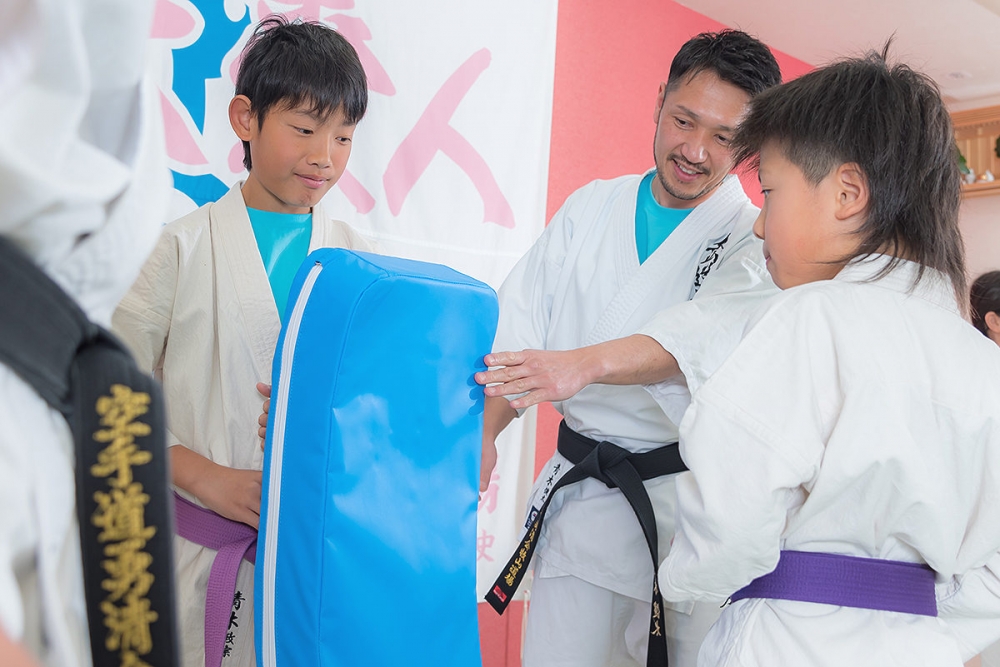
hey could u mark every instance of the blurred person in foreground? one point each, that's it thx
(83, 182)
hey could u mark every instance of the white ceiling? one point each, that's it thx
(957, 42)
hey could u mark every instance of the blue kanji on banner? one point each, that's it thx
(194, 64)
(201, 189)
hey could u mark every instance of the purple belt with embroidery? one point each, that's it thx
(847, 581)
(234, 542)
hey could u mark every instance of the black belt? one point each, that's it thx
(115, 413)
(617, 468)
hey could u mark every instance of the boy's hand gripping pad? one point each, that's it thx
(367, 549)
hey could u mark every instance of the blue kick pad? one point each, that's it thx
(367, 548)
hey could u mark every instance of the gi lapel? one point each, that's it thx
(676, 269)
(319, 233)
(243, 293)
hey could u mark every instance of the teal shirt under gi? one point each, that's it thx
(283, 242)
(653, 223)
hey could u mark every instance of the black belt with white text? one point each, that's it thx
(617, 468)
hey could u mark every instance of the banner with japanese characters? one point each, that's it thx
(450, 164)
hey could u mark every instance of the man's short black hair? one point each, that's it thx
(892, 123)
(732, 55)
(287, 64)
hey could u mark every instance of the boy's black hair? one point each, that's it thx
(892, 123)
(303, 62)
(984, 297)
(732, 55)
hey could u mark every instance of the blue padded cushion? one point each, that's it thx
(370, 522)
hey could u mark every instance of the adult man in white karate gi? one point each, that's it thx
(617, 253)
(83, 179)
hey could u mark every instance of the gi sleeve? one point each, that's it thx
(701, 333)
(142, 319)
(528, 293)
(751, 442)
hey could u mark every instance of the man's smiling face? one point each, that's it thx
(694, 123)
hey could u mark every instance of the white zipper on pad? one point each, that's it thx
(278, 409)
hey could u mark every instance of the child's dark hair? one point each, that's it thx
(732, 55)
(891, 122)
(984, 297)
(303, 62)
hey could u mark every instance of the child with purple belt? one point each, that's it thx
(845, 456)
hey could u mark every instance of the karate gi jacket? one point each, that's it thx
(857, 416)
(581, 284)
(202, 318)
(83, 177)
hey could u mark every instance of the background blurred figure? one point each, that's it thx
(83, 180)
(984, 299)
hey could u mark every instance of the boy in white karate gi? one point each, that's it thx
(205, 313)
(614, 255)
(846, 454)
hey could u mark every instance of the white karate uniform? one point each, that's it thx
(580, 284)
(855, 418)
(202, 318)
(83, 177)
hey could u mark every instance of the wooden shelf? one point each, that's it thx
(981, 189)
(976, 132)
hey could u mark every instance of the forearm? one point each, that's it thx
(229, 492)
(190, 471)
(497, 415)
(635, 359)
(556, 375)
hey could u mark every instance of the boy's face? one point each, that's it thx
(297, 157)
(805, 233)
(694, 123)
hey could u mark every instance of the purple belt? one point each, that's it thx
(847, 581)
(234, 541)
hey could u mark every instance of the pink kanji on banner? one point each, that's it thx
(356, 32)
(356, 193)
(181, 145)
(354, 29)
(483, 543)
(235, 159)
(432, 133)
(488, 501)
(171, 21)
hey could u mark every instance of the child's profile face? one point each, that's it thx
(297, 157)
(803, 240)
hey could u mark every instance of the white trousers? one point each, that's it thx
(573, 623)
